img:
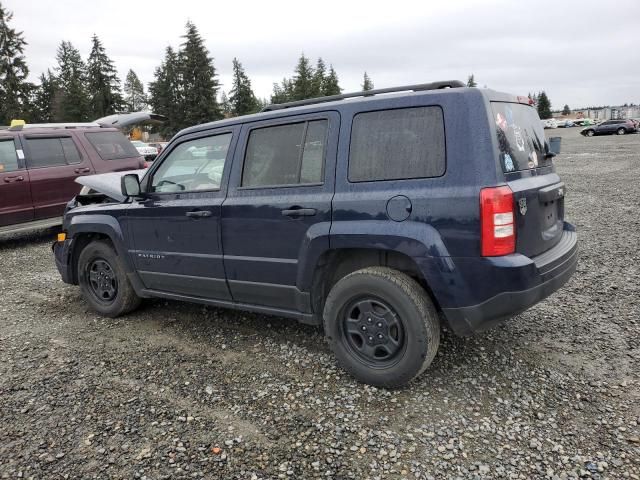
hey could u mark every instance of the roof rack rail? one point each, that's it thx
(367, 93)
(56, 125)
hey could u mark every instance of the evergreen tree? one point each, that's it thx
(318, 78)
(282, 92)
(165, 95)
(225, 105)
(103, 82)
(14, 89)
(367, 84)
(566, 110)
(134, 97)
(303, 79)
(242, 99)
(471, 81)
(46, 100)
(72, 75)
(199, 86)
(544, 106)
(331, 85)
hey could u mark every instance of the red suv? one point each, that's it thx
(39, 165)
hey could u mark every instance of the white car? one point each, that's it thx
(147, 151)
(549, 123)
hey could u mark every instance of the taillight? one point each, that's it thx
(497, 217)
(146, 164)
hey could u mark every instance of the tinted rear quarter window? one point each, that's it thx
(112, 145)
(397, 144)
(51, 151)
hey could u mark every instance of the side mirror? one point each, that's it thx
(130, 185)
(555, 144)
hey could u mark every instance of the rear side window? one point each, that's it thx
(397, 144)
(285, 155)
(112, 145)
(50, 152)
(520, 136)
(8, 156)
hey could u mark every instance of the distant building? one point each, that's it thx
(607, 113)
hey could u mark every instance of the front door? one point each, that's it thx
(15, 195)
(175, 227)
(54, 161)
(279, 200)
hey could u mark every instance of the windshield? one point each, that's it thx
(520, 135)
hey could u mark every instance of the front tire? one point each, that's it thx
(103, 281)
(590, 133)
(381, 326)
(621, 131)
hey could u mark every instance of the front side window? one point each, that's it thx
(51, 152)
(8, 156)
(285, 155)
(112, 145)
(397, 144)
(194, 165)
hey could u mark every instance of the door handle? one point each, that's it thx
(16, 178)
(299, 212)
(82, 170)
(199, 214)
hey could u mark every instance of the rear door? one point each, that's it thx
(529, 172)
(15, 194)
(279, 199)
(54, 161)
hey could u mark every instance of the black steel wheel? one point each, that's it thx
(373, 331)
(382, 326)
(102, 280)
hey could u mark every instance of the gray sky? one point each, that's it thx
(581, 52)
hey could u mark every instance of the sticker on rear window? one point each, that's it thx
(501, 121)
(508, 163)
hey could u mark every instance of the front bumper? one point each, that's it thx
(62, 254)
(535, 280)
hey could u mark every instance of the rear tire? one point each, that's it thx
(381, 326)
(621, 131)
(103, 281)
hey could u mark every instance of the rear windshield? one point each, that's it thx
(520, 136)
(112, 145)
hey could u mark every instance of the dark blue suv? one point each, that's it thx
(377, 214)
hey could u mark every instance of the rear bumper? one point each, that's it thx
(62, 254)
(540, 277)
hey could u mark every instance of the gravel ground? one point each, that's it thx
(182, 391)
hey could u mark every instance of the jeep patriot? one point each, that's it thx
(381, 215)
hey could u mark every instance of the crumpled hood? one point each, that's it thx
(108, 183)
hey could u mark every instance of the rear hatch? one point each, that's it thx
(529, 172)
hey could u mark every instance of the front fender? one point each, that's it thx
(102, 224)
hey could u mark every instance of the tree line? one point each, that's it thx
(185, 87)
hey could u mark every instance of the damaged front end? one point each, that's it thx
(101, 188)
